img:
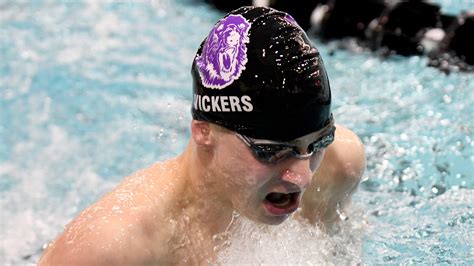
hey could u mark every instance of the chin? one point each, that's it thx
(274, 220)
(264, 218)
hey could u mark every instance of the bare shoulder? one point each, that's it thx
(119, 228)
(336, 179)
(345, 157)
(100, 242)
(343, 165)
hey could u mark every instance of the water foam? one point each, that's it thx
(295, 242)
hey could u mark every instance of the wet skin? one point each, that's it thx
(168, 213)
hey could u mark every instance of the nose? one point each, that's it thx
(298, 172)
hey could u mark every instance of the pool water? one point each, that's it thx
(91, 91)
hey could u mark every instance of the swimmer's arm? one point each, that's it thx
(97, 247)
(336, 180)
(84, 249)
(92, 240)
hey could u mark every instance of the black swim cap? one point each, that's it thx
(258, 74)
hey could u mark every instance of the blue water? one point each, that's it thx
(91, 92)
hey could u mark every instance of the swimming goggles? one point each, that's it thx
(268, 151)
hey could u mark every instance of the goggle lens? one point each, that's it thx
(272, 153)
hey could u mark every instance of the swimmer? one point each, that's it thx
(264, 144)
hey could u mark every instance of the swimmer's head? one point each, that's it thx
(258, 74)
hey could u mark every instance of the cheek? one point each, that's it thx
(242, 172)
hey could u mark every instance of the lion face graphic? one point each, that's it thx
(224, 54)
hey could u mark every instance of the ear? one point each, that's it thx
(201, 132)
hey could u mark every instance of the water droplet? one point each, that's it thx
(447, 98)
(217, 237)
(160, 134)
(341, 213)
(404, 136)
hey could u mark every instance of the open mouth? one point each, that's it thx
(282, 203)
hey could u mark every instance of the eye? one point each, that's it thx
(265, 155)
(273, 147)
(326, 140)
(272, 153)
(321, 143)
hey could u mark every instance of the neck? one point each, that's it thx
(209, 212)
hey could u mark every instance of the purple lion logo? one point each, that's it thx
(224, 54)
(291, 20)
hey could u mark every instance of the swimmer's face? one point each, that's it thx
(264, 192)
